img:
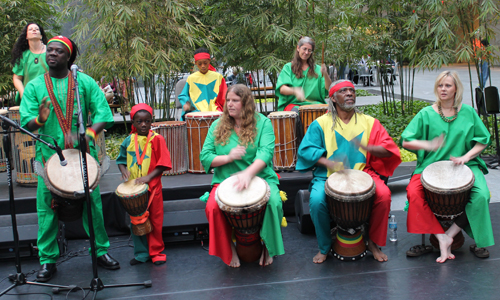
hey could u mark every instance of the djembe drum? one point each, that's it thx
(135, 199)
(23, 153)
(175, 135)
(349, 194)
(66, 183)
(244, 210)
(285, 145)
(3, 159)
(198, 124)
(447, 188)
(309, 113)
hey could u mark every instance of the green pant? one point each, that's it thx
(48, 224)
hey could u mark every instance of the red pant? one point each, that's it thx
(420, 219)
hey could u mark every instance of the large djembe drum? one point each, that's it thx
(198, 124)
(349, 195)
(244, 210)
(23, 153)
(66, 183)
(3, 159)
(175, 135)
(447, 188)
(135, 199)
(309, 113)
(285, 145)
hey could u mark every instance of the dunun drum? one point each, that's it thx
(175, 135)
(244, 210)
(66, 183)
(3, 159)
(285, 145)
(309, 113)
(350, 194)
(198, 124)
(135, 199)
(447, 188)
(23, 153)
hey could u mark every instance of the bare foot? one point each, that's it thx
(235, 260)
(445, 242)
(377, 253)
(319, 258)
(265, 259)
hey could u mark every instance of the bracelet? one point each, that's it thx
(38, 122)
(90, 133)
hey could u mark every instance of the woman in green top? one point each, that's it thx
(28, 57)
(241, 142)
(301, 81)
(449, 130)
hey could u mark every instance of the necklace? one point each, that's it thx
(445, 118)
(236, 126)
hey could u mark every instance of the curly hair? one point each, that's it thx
(297, 61)
(248, 130)
(22, 45)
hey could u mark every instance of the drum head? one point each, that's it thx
(131, 188)
(313, 107)
(282, 114)
(168, 124)
(350, 183)
(68, 179)
(204, 114)
(229, 196)
(446, 176)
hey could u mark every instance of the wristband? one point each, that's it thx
(90, 133)
(38, 122)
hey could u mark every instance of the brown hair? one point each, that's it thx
(297, 61)
(248, 129)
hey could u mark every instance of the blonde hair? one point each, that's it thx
(459, 88)
(248, 130)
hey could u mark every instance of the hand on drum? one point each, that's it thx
(460, 160)
(125, 174)
(243, 180)
(143, 180)
(237, 153)
(334, 166)
(298, 92)
(44, 110)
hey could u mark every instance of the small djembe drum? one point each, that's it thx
(244, 210)
(3, 159)
(447, 188)
(66, 183)
(350, 196)
(135, 199)
(309, 113)
(198, 124)
(175, 135)
(23, 153)
(285, 145)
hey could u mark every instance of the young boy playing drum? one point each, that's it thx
(205, 90)
(143, 157)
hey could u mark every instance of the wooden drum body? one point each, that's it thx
(350, 196)
(135, 199)
(285, 145)
(3, 159)
(175, 135)
(23, 153)
(198, 124)
(447, 190)
(244, 210)
(309, 113)
(66, 183)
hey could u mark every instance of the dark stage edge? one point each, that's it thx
(190, 273)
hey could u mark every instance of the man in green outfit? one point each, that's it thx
(57, 118)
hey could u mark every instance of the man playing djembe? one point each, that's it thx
(347, 138)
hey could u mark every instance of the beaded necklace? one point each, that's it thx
(445, 118)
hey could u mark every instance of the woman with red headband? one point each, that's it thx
(28, 57)
(302, 79)
(345, 138)
(205, 90)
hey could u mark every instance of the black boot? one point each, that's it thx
(46, 271)
(107, 262)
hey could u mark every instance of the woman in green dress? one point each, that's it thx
(449, 130)
(241, 142)
(28, 57)
(301, 81)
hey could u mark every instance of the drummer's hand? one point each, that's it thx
(125, 175)
(187, 107)
(324, 70)
(243, 180)
(143, 180)
(334, 166)
(44, 110)
(460, 160)
(237, 153)
(435, 144)
(298, 92)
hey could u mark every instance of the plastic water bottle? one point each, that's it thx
(393, 229)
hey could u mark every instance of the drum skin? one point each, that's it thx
(285, 145)
(133, 197)
(175, 135)
(198, 124)
(309, 113)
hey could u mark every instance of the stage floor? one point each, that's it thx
(190, 273)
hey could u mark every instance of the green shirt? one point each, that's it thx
(314, 88)
(262, 148)
(91, 98)
(28, 69)
(461, 135)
